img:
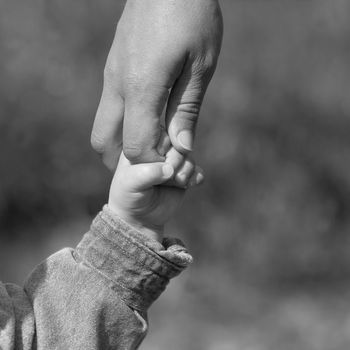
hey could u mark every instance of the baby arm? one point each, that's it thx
(97, 295)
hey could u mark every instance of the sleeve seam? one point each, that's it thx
(137, 262)
(146, 249)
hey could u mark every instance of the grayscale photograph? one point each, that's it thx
(174, 175)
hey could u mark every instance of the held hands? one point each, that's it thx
(136, 197)
(163, 57)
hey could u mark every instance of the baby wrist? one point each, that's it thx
(153, 232)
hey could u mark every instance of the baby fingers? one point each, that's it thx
(197, 177)
(186, 173)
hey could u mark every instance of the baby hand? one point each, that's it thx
(184, 166)
(136, 197)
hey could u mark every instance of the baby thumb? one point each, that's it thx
(144, 176)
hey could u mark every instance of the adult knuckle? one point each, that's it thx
(191, 109)
(188, 114)
(207, 64)
(210, 59)
(204, 66)
(137, 85)
(98, 143)
(133, 80)
(110, 72)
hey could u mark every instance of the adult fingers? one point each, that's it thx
(144, 103)
(106, 136)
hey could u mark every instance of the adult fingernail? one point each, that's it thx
(185, 139)
(168, 171)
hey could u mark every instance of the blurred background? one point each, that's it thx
(269, 230)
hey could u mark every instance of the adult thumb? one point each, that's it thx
(184, 105)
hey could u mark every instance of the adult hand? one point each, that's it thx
(163, 57)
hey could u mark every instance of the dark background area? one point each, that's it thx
(268, 229)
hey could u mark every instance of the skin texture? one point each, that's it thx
(136, 197)
(162, 59)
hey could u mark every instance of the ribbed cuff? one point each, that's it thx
(137, 267)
